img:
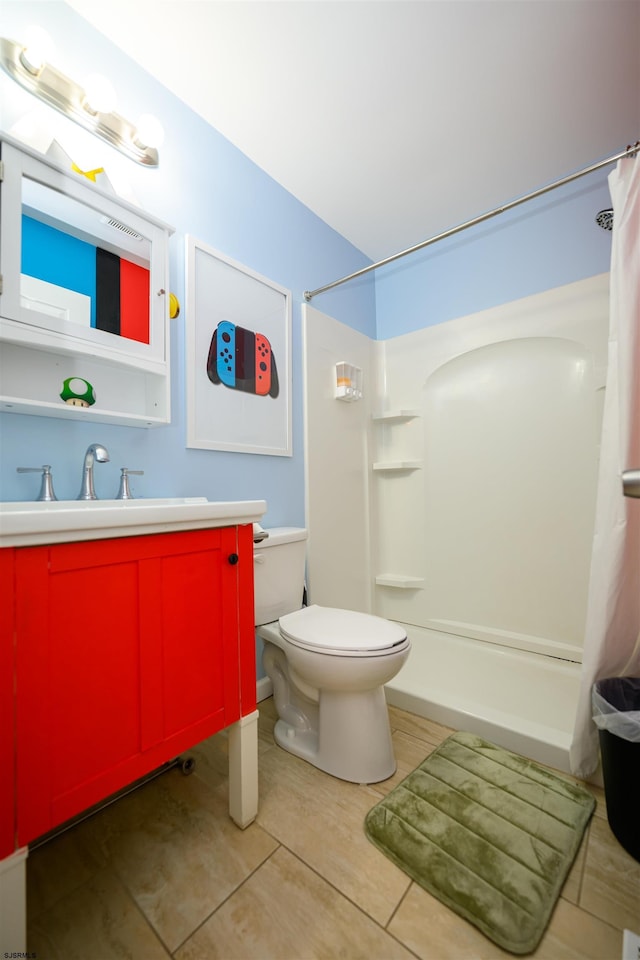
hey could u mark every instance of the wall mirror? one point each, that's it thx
(85, 270)
(84, 301)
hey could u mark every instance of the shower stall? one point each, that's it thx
(466, 505)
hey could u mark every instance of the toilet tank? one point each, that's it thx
(278, 570)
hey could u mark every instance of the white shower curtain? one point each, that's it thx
(612, 637)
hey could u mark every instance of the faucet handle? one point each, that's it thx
(124, 493)
(46, 487)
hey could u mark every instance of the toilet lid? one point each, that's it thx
(340, 631)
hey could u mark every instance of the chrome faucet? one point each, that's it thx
(95, 452)
(46, 487)
(124, 493)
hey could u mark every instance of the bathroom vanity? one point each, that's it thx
(118, 653)
(126, 626)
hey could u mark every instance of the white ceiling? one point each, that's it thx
(396, 120)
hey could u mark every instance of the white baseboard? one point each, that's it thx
(264, 689)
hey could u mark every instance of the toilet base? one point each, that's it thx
(353, 741)
(302, 743)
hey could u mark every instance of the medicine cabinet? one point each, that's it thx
(84, 302)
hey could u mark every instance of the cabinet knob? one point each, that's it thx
(233, 558)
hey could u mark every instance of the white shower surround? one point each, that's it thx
(462, 671)
(521, 701)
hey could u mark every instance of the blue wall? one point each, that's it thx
(203, 186)
(206, 187)
(545, 243)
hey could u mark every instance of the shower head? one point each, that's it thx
(605, 219)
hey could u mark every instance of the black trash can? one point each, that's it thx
(616, 712)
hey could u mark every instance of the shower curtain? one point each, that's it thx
(612, 635)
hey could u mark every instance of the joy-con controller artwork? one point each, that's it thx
(263, 365)
(242, 360)
(226, 360)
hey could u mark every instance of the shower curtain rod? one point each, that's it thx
(629, 152)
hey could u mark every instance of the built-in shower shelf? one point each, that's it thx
(398, 581)
(395, 415)
(397, 465)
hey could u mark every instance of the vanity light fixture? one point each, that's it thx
(37, 49)
(99, 95)
(87, 107)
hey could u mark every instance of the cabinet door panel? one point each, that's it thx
(33, 694)
(246, 622)
(94, 672)
(193, 653)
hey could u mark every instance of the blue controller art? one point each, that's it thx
(226, 354)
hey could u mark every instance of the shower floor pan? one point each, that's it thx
(524, 702)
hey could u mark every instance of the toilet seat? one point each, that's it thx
(342, 633)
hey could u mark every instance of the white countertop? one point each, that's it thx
(63, 521)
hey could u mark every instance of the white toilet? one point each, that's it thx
(327, 667)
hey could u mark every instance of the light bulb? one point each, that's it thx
(149, 131)
(99, 94)
(37, 49)
(35, 128)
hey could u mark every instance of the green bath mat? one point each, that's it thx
(490, 834)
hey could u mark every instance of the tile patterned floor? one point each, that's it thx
(163, 873)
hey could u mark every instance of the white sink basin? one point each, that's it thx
(30, 524)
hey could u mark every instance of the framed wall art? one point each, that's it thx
(238, 356)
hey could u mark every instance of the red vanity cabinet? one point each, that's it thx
(7, 725)
(127, 652)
